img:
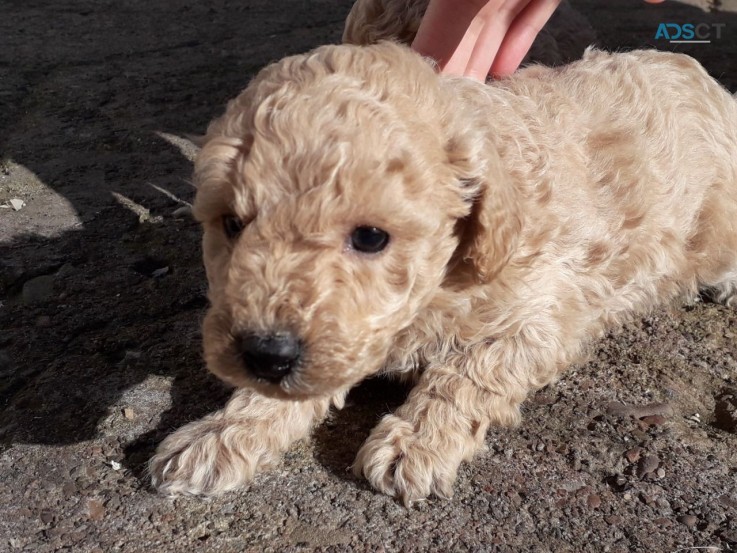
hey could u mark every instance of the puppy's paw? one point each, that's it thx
(209, 457)
(408, 464)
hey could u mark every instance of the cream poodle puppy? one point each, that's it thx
(363, 214)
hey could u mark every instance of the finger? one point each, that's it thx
(444, 27)
(496, 19)
(521, 35)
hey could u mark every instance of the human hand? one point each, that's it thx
(479, 37)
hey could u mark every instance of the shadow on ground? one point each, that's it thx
(93, 111)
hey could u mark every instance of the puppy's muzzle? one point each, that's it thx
(270, 357)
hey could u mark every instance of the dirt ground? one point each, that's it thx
(102, 293)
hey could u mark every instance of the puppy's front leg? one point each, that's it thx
(416, 451)
(225, 449)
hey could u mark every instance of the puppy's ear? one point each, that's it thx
(490, 232)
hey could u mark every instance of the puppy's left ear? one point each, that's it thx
(490, 233)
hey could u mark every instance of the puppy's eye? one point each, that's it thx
(232, 226)
(369, 239)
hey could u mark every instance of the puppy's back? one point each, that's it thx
(632, 155)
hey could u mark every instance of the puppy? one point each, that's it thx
(363, 214)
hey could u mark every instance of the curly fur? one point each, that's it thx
(527, 217)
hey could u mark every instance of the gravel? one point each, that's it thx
(100, 354)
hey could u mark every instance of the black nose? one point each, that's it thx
(270, 357)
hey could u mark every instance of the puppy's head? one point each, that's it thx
(334, 193)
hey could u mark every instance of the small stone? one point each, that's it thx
(43, 321)
(131, 355)
(182, 212)
(129, 413)
(115, 465)
(46, 516)
(593, 501)
(613, 519)
(647, 465)
(158, 273)
(660, 472)
(729, 535)
(113, 503)
(633, 455)
(662, 521)
(69, 488)
(17, 204)
(95, 509)
(38, 289)
(688, 520)
(65, 271)
(654, 420)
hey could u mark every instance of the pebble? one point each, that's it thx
(38, 290)
(647, 465)
(613, 519)
(43, 321)
(68, 488)
(182, 212)
(633, 455)
(129, 413)
(65, 271)
(16, 203)
(95, 509)
(688, 520)
(158, 273)
(593, 501)
(662, 521)
(660, 472)
(654, 420)
(46, 516)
